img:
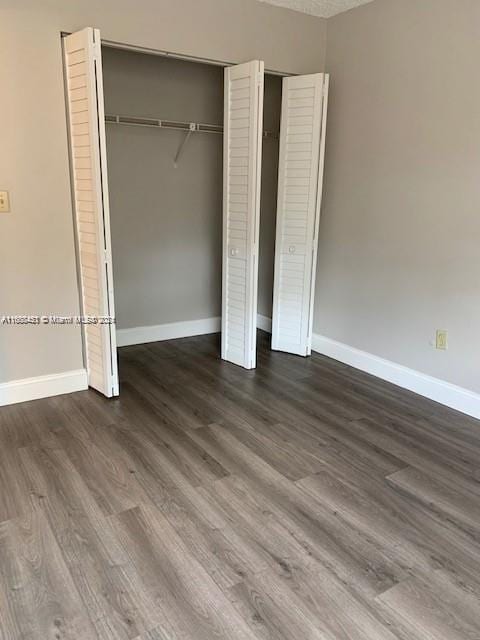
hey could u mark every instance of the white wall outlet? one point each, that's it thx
(442, 340)
(4, 202)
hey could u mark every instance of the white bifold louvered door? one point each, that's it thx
(83, 70)
(300, 179)
(243, 125)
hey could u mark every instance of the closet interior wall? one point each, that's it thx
(167, 221)
(272, 108)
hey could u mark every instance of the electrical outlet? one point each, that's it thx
(442, 340)
(4, 202)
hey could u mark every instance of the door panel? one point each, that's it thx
(84, 86)
(300, 179)
(243, 122)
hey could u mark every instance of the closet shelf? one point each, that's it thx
(191, 127)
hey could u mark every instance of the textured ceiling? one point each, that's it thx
(321, 8)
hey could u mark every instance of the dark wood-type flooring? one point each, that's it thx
(304, 500)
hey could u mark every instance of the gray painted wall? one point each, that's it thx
(37, 262)
(399, 239)
(167, 221)
(399, 232)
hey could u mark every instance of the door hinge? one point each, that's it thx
(259, 79)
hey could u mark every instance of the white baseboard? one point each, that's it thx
(445, 393)
(172, 330)
(42, 386)
(264, 323)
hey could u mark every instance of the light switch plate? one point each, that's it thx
(4, 202)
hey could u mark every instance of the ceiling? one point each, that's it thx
(320, 8)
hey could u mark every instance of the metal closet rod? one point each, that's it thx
(172, 124)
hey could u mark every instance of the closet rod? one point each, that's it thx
(172, 124)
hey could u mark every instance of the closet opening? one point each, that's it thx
(202, 236)
(165, 180)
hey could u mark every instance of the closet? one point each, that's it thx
(194, 152)
(166, 192)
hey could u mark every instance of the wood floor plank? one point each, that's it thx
(445, 501)
(308, 592)
(93, 554)
(274, 611)
(293, 533)
(27, 423)
(423, 613)
(195, 462)
(180, 586)
(41, 601)
(58, 489)
(460, 460)
(302, 499)
(418, 456)
(284, 456)
(154, 388)
(159, 475)
(370, 516)
(412, 536)
(108, 476)
(270, 409)
(14, 494)
(158, 633)
(210, 547)
(335, 445)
